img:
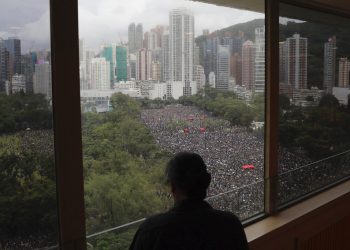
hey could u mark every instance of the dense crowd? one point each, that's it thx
(30, 242)
(226, 149)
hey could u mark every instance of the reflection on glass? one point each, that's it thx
(28, 216)
(159, 79)
(314, 109)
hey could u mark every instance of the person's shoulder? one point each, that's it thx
(155, 221)
(226, 216)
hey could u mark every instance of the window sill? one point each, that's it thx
(292, 218)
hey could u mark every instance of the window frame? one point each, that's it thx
(66, 107)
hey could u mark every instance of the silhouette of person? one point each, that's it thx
(192, 224)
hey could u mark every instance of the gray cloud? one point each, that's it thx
(104, 21)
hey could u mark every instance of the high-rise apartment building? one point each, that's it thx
(211, 79)
(100, 74)
(181, 47)
(42, 79)
(329, 62)
(282, 63)
(28, 66)
(199, 76)
(4, 66)
(13, 46)
(237, 43)
(18, 83)
(121, 63)
(139, 37)
(143, 65)
(165, 57)
(156, 71)
(296, 52)
(248, 65)
(132, 38)
(154, 38)
(108, 53)
(259, 60)
(343, 75)
(236, 68)
(223, 67)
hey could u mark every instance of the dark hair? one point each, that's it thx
(188, 171)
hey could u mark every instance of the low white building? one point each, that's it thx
(18, 83)
(158, 90)
(341, 94)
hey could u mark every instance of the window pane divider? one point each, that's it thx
(271, 102)
(67, 123)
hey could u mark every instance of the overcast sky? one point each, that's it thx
(104, 21)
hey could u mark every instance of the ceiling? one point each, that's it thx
(342, 6)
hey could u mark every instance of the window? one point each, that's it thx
(28, 207)
(314, 109)
(161, 78)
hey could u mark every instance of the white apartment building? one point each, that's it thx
(42, 83)
(181, 47)
(143, 65)
(343, 75)
(18, 83)
(259, 60)
(222, 67)
(100, 74)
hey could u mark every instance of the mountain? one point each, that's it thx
(316, 33)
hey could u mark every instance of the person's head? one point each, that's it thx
(187, 174)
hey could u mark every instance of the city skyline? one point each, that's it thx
(106, 21)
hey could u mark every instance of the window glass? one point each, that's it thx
(159, 77)
(28, 212)
(314, 102)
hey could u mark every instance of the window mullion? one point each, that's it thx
(272, 92)
(67, 123)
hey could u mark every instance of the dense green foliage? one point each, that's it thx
(27, 186)
(21, 111)
(226, 105)
(320, 131)
(123, 171)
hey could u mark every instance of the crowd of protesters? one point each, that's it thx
(227, 151)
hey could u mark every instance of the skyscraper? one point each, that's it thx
(13, 46)
(131, 38)
(282, 63)
(181, 46)
(296, 52)
(248, 65)
(236, 68)
(259, 60)
(100, 74)
(143, 65)
(223, 67)
(329, 65)
(199, 76)
(156, 71)
(42, 79)
(121, 63)
(4, 66)
(107, 53)
(343, 76)
(165, 57)
(139, 37)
